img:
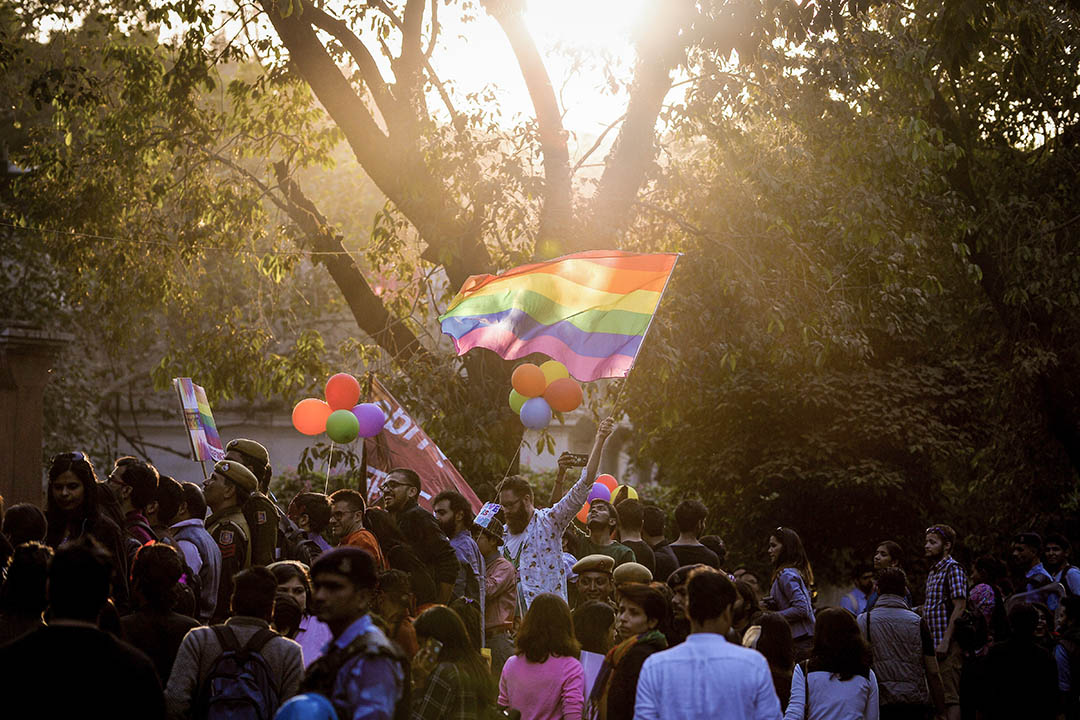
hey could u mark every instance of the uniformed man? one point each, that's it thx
(631, 572)
(226, 491)
(594, 581)
(259, 510)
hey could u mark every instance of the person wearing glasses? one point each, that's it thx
(790, 594)
(400, 491)
(259, 511)
(134, 484)
(72, 511)
(226, 491)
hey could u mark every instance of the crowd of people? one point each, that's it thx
(140, 596)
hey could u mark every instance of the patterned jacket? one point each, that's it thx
(539, 558)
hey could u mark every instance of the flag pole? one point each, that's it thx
(633, 363)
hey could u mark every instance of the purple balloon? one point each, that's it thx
(371, 419)
(600, 492)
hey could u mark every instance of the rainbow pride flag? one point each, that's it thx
(590, 310)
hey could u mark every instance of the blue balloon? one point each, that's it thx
(535, 413)
(599, 491)
(309, 706)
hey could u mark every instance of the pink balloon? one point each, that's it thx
(607, 481)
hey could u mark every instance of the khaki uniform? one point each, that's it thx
(262, 521)
(230, 531)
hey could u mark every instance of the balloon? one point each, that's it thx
(584, 514)
(342, 426)
(370, 418)
(342, 392)
(309, 706)
(563, 395)
(535, 413)
(600, 492)
(553, 370)
(528, 380)
(309, 416)
(627, 493)
(607, 481)
(516, 401)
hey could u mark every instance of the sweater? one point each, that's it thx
(551, 690)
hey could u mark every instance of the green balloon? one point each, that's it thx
(342, 426)
(516, 401)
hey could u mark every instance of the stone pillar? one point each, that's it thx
(26, 357)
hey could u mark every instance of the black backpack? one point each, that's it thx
(240, 684)
(971, 631)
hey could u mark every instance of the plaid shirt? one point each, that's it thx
(945, 582)
(446, 695)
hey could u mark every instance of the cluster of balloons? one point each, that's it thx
(607, 489)
(339, 416)
(539, 390)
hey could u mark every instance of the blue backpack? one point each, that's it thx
(240, 684)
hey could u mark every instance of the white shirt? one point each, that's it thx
(706, 677)
(832, 698)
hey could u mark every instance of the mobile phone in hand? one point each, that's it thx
(578, 459)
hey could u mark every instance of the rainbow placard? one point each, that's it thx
(199, 421)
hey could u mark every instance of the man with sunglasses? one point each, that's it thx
(226, 491)
(400, 491)
(261, 513)
(134, 484)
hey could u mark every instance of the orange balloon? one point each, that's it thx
(310, 415)
(529, 380)
(342, 392)
(607, 481)
(584, 514)
(564, 395)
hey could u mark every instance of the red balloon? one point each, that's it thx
(607, 481)
(584, 514)
(564, 395)
(529, 380)
(309, 416)
(342, 392)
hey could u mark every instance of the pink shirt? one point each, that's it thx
(551, 690)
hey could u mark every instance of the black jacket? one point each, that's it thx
(429, 543)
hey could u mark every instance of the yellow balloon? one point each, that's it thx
(629, 494)
(554, 370)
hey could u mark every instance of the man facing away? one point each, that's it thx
(347, 509)
(200, 551)
(400, 493)
(706, 676)
(946, 599)
(903, 652)
(252, 607)
(534, 541)
(362, 673)
(631, 518)
(652, 532)
(690, 519)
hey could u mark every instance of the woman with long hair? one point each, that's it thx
(452, 682)
(836, 683)
(544, 680)
(293, 581)
(791, 594)
(72, 511)
(774, 642)
(639, 627)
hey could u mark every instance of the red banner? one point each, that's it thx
(403, 443)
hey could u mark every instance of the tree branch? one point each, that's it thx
(367, 308)
(635, 146)
(555, 215)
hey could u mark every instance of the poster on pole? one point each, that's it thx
(199, 421)
(403, 443)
